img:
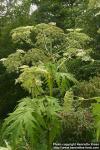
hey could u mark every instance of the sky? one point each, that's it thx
(32, 9)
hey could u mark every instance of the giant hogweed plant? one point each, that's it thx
(36, 121)
(33, 78)
(49, 43)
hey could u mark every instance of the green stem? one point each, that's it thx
(48, 141)
(51, 86)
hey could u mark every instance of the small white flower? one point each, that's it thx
(3, 59)
(53, 23)
(24, 66)
(81, 54)
(20, 51)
